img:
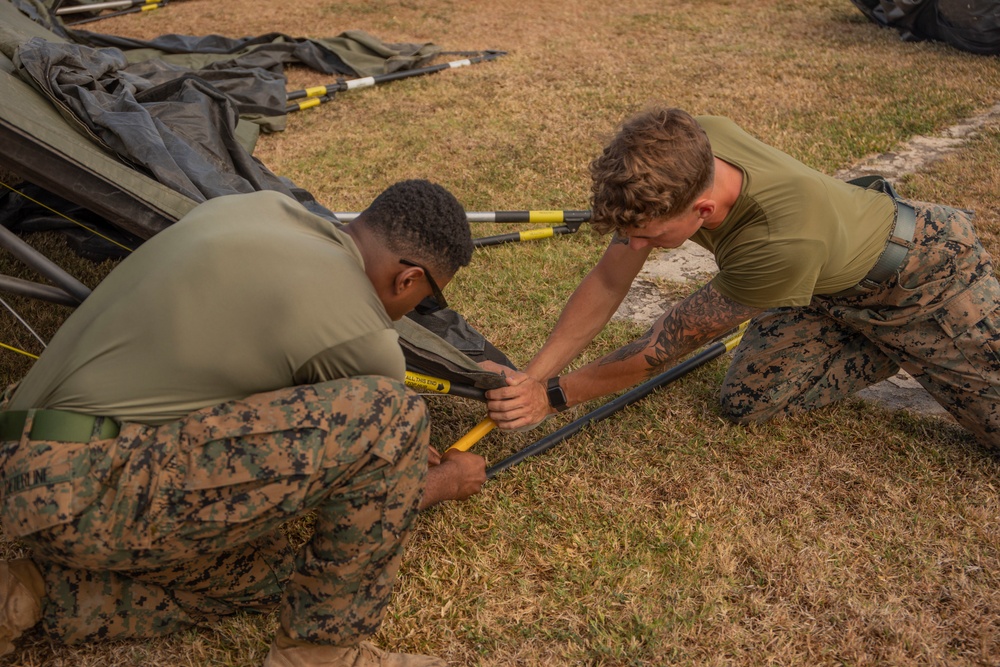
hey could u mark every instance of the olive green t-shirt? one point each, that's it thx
(246, 294)
(792, 232)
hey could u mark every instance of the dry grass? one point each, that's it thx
(849, 536)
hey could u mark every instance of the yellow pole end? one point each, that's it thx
(535, 234)
(477, 433)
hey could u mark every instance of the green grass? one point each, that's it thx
(847, 536)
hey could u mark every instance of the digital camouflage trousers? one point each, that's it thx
(166, 527)
(938, 319)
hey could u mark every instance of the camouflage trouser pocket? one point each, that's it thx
(233, 481)
(972, 321)
(42, 485)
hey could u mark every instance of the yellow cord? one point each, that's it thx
(15, 349)
(62, 215)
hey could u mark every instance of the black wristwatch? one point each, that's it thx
(557, 397)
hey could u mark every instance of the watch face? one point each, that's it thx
(555, 393)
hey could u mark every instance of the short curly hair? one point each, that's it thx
(422, 221)
(654, 167)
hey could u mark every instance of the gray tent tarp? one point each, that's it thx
(969, 25)
(62, 153)
(353, 52)
(182, 132)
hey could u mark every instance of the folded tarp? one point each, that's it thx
(43, 148)
(969, 25)
(182, 132)
(352, 53)
(248, 69)
(82, 155)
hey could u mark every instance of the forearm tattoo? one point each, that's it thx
(698, 318)
(629, 350)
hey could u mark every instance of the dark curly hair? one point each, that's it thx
(654, 167)
(422, 221)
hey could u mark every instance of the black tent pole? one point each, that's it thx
(99, 6)
(551, 440)
(568, 217)
(565, 222)
(526, 235)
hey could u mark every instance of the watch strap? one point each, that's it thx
(555, 394)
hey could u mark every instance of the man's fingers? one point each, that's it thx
(470, 472)
(514, 378)
(515, 389)
(519, 425)
(519, 419)
(494, 367)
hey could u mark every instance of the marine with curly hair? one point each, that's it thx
(844, 283)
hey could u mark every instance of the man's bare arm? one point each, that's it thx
(699, 318)
(589, 308)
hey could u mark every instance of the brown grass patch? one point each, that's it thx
(663, 536)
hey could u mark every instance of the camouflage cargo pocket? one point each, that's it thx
(255, 478)
(972, 321)
(43, 484)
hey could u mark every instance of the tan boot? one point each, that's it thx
(21, 591)
(287, 652)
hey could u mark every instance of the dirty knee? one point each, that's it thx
(737, 408)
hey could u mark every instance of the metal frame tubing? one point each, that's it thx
(320, 94)
(32, 290)
(43, 265)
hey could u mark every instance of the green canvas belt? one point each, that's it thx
(58, 425)
(896, 248)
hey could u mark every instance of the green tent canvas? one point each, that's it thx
(44, 143)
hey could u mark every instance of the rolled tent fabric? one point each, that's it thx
(352, 52)
(138, 141)
(181, 132)
(969, 25)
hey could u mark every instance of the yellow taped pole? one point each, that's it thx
(477, 433)
(550, 217)
(308, 102)
(422, 382)
(427, 383)
(535, 234)
(316, 91)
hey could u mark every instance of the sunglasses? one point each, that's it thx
(436, 301)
